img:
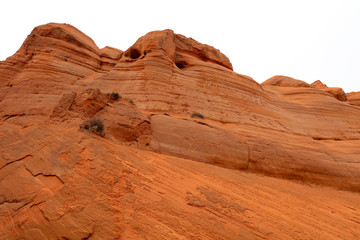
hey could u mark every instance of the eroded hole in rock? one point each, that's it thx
(181, 64)
(135, 54)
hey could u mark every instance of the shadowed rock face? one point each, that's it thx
(191, 149)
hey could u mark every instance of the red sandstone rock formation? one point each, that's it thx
(159, 173)
(284, 81)
(336, 92)
(353, 98)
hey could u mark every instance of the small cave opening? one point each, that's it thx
(181, 64)
(135, 54)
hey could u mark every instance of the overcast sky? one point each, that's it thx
(307, 39)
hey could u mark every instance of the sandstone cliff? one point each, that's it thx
(192, 150)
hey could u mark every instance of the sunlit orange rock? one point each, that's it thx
(353, 98)
(284, 81)
(189, 150)
(336, 92)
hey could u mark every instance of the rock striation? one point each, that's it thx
(336, 92)
(353, 98)
(190, 150)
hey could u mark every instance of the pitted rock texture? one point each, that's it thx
(278, 160)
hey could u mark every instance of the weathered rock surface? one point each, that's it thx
(284, 81)
(193, 140)
(336, 92)
(159, 173)
(353, 98)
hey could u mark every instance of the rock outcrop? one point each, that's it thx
(190, 150)
(283, 81)
(353, 98)
(336, 92)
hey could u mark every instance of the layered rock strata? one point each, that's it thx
(188, 150)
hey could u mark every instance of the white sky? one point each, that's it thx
(307, 39)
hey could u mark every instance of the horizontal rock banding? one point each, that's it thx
(186, 144)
